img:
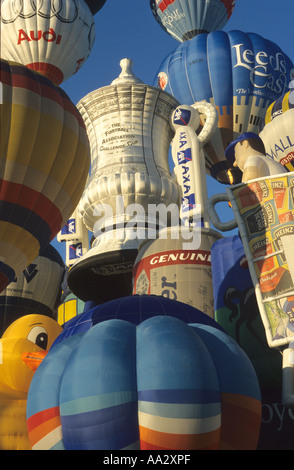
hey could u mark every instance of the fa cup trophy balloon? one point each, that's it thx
(128, 124)
(174, 265)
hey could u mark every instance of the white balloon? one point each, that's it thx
(53, 37)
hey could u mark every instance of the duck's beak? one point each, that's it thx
(33, 359)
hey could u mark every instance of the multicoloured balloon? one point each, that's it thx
(52, 37)
(184, 19)
(277, 129)
(36, 290)
(134, 386)
(241, 74)
(44, 155)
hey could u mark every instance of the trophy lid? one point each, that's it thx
(126, 76)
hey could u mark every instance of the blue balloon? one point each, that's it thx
(241, 74)
(135, 309)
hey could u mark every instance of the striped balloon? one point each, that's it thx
(185, 19)
(160, 385)
(277, 130)
(44, 156)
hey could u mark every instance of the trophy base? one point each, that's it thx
(103, 277)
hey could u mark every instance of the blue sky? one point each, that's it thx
(127, 28)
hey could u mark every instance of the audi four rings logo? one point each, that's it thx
(44, 8)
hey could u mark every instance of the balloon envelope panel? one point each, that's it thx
(36, 290)
(236, 309)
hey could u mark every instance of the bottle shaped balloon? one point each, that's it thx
(130, 134)
(52, 37)
(45, 160)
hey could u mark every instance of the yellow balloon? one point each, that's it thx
(22, 346)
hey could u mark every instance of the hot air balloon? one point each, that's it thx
(36, 290)
(236, 309)
(241, 74)
(277, 129)
(184, 19)
(53, 37)
(45, 160)
(22, 347)
(161, 385)
(95, 5)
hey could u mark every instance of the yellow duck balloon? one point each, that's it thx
(22, 347)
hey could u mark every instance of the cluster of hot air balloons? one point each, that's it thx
(129, 371)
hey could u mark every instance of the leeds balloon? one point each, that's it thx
(241, 74)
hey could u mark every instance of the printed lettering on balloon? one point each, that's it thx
(49, 36)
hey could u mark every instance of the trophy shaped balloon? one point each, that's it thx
(128, 124)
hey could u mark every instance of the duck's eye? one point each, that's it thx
(39, 336)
